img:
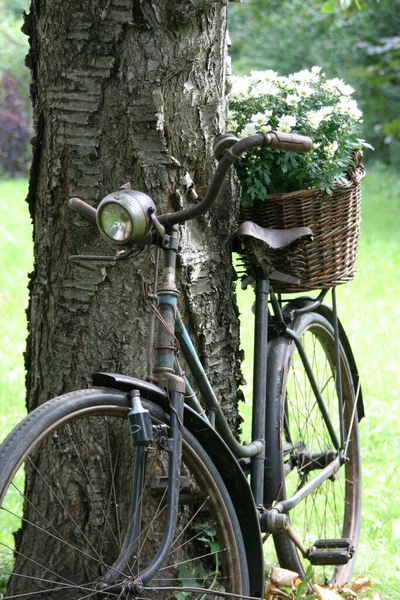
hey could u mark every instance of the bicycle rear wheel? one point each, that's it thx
(66, 487)
(299, 445)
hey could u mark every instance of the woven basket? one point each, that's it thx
(335, 222)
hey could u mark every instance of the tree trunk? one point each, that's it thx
(125, 90)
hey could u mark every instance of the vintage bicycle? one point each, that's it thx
(139, 489)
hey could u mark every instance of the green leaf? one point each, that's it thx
(329, 6)
(302, 588)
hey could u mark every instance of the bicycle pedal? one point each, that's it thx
(331, 552)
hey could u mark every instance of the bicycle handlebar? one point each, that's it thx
(83, 208)
(227, 150)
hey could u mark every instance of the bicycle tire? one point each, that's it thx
(296, 431)
(72, 532)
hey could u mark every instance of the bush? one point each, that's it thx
(15, 107)
(15, 127)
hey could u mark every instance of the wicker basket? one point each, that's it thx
(335, 221)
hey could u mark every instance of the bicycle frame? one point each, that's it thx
(174, 388)
(165, 367)
(255, 450)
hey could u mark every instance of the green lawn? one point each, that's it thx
(369, 309)
(16, 262)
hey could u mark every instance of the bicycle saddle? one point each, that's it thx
(276, 239)
(264, 248)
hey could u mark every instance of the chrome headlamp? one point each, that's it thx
(123, 217)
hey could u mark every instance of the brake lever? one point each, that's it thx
(84, 260)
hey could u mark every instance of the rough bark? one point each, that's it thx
(123, 90)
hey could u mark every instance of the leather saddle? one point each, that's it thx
(260, 244)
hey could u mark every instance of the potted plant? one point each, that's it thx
(305, 103)
(320, 189)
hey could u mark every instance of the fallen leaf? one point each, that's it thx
(283, 577)
(346, 591)
(360, 585)
(325, 593)
(271, 592)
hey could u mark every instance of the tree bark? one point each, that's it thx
(125, 90)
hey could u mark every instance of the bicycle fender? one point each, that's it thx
(223, 459)
(239, 491)
(327, 312)
(126, 383)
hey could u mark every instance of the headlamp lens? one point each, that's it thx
(116, 222)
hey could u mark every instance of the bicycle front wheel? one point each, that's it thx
(66, 489)
(302, 440)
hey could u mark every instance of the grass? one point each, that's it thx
(369, 309)
(16, 262)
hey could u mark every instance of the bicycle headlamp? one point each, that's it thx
(123, 217)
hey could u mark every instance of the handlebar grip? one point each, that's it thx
(291, 142)
(83, 209)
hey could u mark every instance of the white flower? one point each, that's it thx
(338, 86)
(330, 149)
(260, 118)
(231, 121)
(304, 90)
(327, 112)
(347, 106)
(266, 88)
(286, 123)
(331, 85)
(307, 76)
(267, 75)
(345, 89)
(288, 83)
(316, 72)
(240, 87)
(315, 117)
(249, 129)
(292, 99)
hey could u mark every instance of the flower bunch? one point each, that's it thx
(306, 103)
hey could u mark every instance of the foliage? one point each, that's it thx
(283, 583)
(194, 576)
(360, 47)
(305, 102)
(331, 5)
(13, 8)
(15, 127)
(15, 108)
(377, 68)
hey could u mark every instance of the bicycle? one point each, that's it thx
(180, 508)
